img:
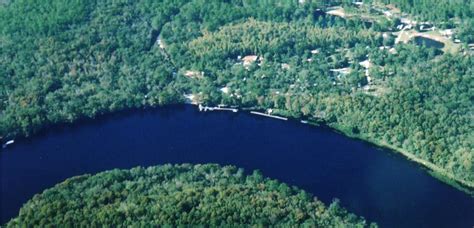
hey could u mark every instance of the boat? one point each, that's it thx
(8, 143)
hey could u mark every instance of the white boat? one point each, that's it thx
(8, 143)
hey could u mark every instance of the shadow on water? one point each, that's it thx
(377, 184)
(419, 40)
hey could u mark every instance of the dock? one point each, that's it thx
(268, 115)
(206, 108)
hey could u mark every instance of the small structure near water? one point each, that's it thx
(268, 115)
(10, 142)
(218, 108)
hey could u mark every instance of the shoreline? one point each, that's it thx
(434, 170)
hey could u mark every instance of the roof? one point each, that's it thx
(250, 58)
(193, 74)
(366, 64)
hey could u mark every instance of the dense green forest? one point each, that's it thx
(180, 195)
(64, 60)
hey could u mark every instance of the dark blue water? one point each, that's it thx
(428, 42)
(377, 184)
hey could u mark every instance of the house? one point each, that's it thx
(194, 74)
(345, 70)
(426, 26)
(191, 99)
(249, 59)
(160, 43)
(224, 90)
(358, 3)
(336, 11)
(285, 66)
(341, 72)
(447, 33)
(366, 64)
(407, 21)
(388, 13)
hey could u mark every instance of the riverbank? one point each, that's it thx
(434, 170)
(379, 185)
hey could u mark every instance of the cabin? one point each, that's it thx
(191, 99)
(366, 64)
(336, 11)
(407, 21)
(387, 13)
(341, 72)
(160, 43)
(448, 33)
(345, 70)
(249, 59)
(224, 90)
(425, 26)
(358, 3)
(285, 66)
(194, 74)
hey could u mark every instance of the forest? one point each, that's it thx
(61, 61)
(178, 195)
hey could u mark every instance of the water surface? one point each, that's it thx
(420, 40)
(377, 184)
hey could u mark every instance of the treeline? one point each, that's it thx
(64, 60)
(180, 195)
(260, 38)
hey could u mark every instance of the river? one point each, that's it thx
(375, 183)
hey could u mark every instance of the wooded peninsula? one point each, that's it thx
(180, 195)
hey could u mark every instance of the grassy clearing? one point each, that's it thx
(449, 46)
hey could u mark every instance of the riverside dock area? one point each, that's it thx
(268, 115)
(206, 108)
